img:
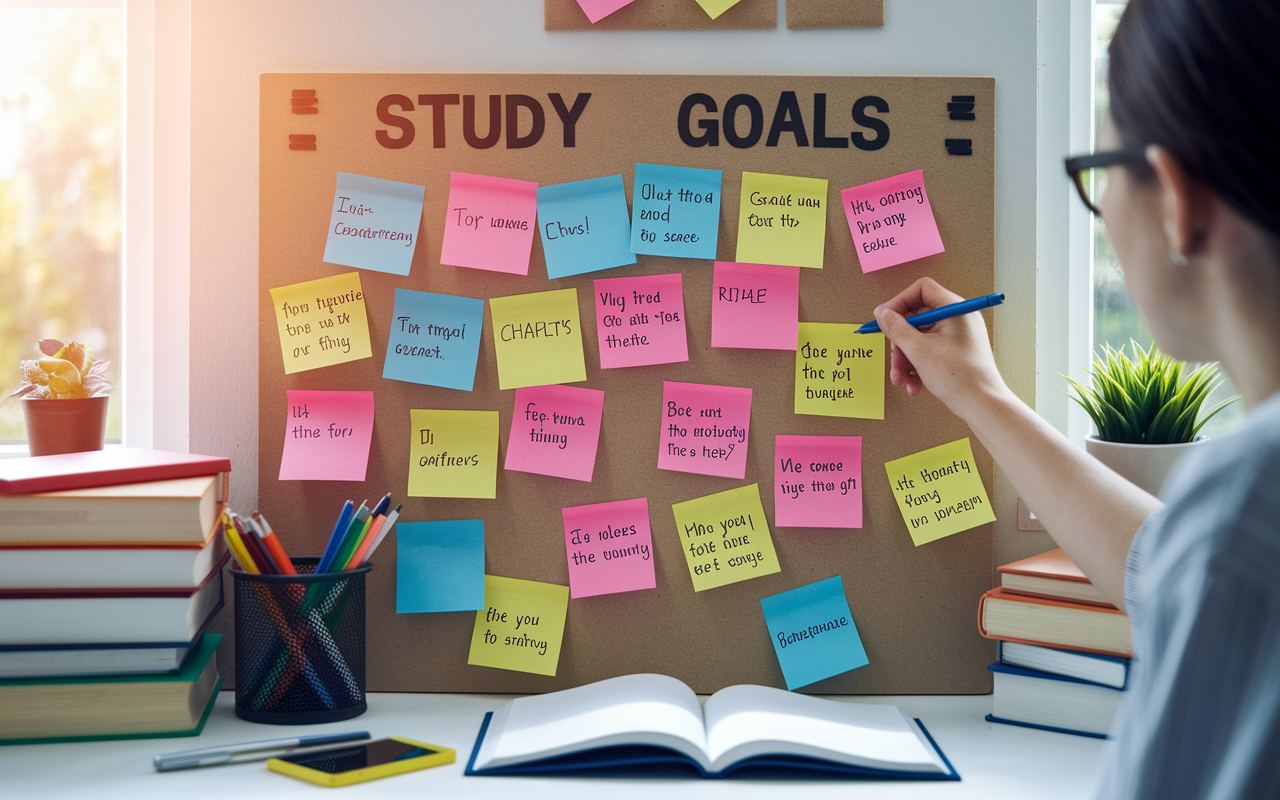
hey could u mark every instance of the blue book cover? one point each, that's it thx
(1083, 711)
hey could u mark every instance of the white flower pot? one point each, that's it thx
(1146, 465)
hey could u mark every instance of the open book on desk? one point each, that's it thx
(643, 719)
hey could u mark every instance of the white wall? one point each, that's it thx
(232, 41)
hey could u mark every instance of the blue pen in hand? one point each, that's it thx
(943, 312)
(335, 538)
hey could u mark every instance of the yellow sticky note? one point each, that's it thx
(453, 453)
(321, 322)
(725, 538)
(538, 339)
(521, 626)
(715, 8)
(839, 373)
(782, 220)
(939, 492)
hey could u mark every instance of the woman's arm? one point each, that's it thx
(1091, 512)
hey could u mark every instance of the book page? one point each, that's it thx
(747, 721)
(633, 709)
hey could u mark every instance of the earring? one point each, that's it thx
(1178, 259)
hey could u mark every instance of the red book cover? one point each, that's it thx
(1053, 564)
(1001, 594)
(110, 467)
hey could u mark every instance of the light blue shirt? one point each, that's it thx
(1202, 586)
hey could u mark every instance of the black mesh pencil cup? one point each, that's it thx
(300, 645)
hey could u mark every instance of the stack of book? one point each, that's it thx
(110, 571)
(1064, 650)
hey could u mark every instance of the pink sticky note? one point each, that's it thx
(817, 481)
(609, 547)
(704, 429)
(755, 306)
(489, 223)
(597, 10)
(555, 430)
(891, 221)
(326, 436)
(640, 321)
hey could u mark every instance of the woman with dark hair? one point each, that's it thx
(1192, 204)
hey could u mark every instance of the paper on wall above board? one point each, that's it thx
(817, 481)
(453, 453)
(538, 339)
(434, 339)
(939, 491)
(640, 320)
(755, 306)
(326, 435)
(782, 220)
(813, 632)
(609, 548)
(725, 537)
(585, 226)
(704, 429)
(374, 224)
(555, 430)
(597, 10)
(891, 221)
(439, 566)
(321, 322)
(839, 372)
(521, 627)
(675, 211)
(489, 223)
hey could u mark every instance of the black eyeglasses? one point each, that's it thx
(1090, 172)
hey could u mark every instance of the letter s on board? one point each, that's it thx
(387, 118)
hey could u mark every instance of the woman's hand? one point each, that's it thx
(951, 358)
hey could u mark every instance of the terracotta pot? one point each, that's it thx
(1146, 465)
(65, 426)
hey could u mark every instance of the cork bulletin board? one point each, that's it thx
(914, 606)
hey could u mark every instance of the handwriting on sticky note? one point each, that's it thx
(321, 322)
(439, 566)
(326, 436)
(675, 211)
(782, 220)
(521, 627)
(597, 10)
(839, 373)
(609, 547)
(939, 492)
(640, 320)
(538, 339)
(755, 306)
(704, 429)
(555, 430)
(374, 223)
(584, 226)
(453, 453)
(489, 223)
(813, 632)
(817, 481)
(891, 221)
(435, 339)
(725, 538)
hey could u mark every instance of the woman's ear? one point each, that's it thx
(1186, 205)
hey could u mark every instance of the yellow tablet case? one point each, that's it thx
(443, 756)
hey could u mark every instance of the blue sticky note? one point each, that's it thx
(813, 632)
(374, 224)
(435, 339)
(439, 566)
(675, 211)
(584, 225)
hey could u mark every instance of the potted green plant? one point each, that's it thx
(1147, 411)
(64, 397)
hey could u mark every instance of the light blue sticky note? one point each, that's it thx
(813, 632)
(584, 226)
(374, 224)
(675, 211)
(435, 339)
(440, 566)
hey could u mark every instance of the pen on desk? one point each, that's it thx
(335, 538)
(382, 534)
(211, 756)
(943, 312)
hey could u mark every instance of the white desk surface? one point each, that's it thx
(993, 761)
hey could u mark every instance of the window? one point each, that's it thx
(61, 220)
